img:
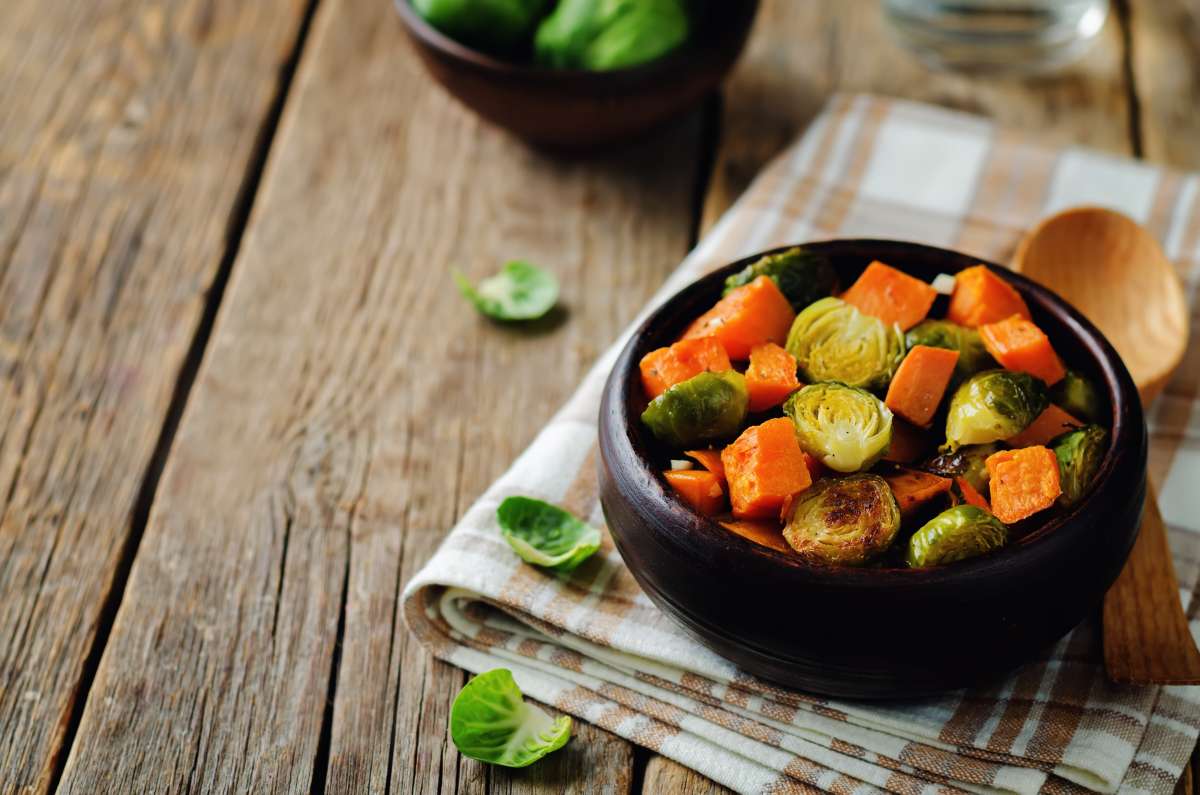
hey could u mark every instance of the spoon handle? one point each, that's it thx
(1146, 634)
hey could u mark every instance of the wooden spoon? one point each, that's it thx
(1114, 272)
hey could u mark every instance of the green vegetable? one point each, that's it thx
(1077, 396)
(491, 722)
(843, 521)
(968, 463)
(610, 34)
(957, 533)
(1079, 454)
(520, 291)
(972, 355)
(705, 407)
(496, 26)
(546, 535)
(802, 276)
(993, 405)
(847, 429)
(833, 341)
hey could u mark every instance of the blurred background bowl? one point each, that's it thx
(578, 109)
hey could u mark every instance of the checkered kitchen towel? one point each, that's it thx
(593, 645)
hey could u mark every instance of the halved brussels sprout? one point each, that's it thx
(491, 722)
(1077, 396)
(833, 341)
(843, 521)
(544, 534)
(845, 428)
(801, 275)
(968, 463)
(1079, 454)
(705, 407)
(993, 405)
(972, 355)
(957, 533)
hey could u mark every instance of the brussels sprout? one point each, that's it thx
(1077, 396)
(843, 521)
(610, 34)
(546, 535)
(496, 26)
(833, 341)
(993, 405)
(846, 429)
(520, 291)
(957, 533)
(802, 276)
(704, 407)
(491, 722)
(1079, 454)
(968, 463)
(972, 355)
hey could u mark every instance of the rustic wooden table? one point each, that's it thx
(241, 401)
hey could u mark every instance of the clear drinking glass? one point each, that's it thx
(1016, 36)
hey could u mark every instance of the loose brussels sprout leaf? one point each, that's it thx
(705, 407)
(957, 533)
(969, 463)
(972, 355)
(610, 34)
(833, 341)
(546, 535)
(843, 521)
(993, 405)
(491, 722)
(1077, 396)
(496, 26)
(1079, 454)
(520, 291)
(846, 429)
(802, 276)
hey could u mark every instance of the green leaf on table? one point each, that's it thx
(491, 722)
(520, 291)
(546, 535)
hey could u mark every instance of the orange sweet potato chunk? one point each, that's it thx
(920, 382)
(764, 467)
(914, 488)
(761, 531)
(1049, 424)
(666, 367)
(980, 296)
(710, 460)
(909, 443)
(699, 488)
(753, 314)
(972, 495)
(891, 295)
(1017, 344)
(1023, 482)
(771, 376)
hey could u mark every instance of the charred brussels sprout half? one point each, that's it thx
(843, 521)
(846, 429)
(957, 533)
(993, 405)
(972, 355)
(1077, 396)
(833, 341)
(705, 407)
(802, 276)
(968, 463)
(1079, 454)
(610, 34)
(495, 26)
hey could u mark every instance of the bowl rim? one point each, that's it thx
(1128, 436)
(682, 59)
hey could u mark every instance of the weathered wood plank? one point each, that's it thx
(594, 761)
(350, 406)
(663, 775)
(127, 130)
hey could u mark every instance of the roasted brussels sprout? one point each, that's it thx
(495, 26)
(1077, 396)
(801, 275)
(610, 34)
(993, 405)
(846, 429)
(1079, 454)
(972, 355)
(704, 407)
(957, 533)
(843, 521)
(833, 341)
(968, 463)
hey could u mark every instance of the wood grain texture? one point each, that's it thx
(350, 406)
(126, 132)
(663, 775)
(1165, 60)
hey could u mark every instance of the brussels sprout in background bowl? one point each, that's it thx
(577, 88)
(885, 631)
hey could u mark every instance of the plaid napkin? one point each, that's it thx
(593, 645)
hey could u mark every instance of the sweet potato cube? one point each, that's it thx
(699, 488)
(771, 376)
(764, 467)
(1017, 344)
(666, 367)
(1049, 424)
(750, 315)
(980, 296)
(1023, 482)
(920, 382)
(891, 295)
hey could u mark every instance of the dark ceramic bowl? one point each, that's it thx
(871, 633)
(576, 109)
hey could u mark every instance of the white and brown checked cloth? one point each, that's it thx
(593, 645)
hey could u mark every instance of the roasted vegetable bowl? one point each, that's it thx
(806, 488)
